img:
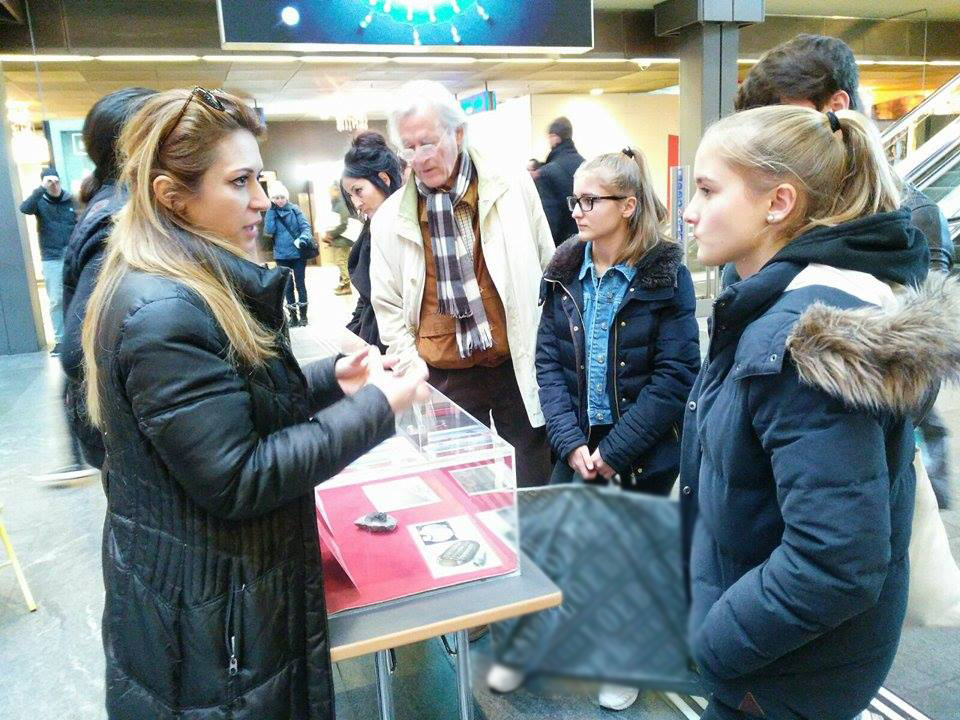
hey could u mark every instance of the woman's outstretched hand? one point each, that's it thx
(401, 389)
(353, 371)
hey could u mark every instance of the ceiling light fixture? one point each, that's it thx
(655, 61)
(596, 91)
(251, 58)
(344, 59)
(148, 58)
(431, 60)
(44, 58)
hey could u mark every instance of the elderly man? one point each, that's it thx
(456, 262)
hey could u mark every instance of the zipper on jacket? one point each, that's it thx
(580, 394)
(613, 370)
(234, 613)
(234, 666)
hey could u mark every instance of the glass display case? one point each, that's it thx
(433, 506)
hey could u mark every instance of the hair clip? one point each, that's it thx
(628, 151)
(834, 121)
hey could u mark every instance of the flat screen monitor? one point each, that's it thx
(533, 26)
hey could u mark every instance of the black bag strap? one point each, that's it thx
(283, 220)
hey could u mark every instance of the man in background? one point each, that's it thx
(555, 179)
(56, 218)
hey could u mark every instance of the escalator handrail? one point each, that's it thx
(892, 131)
(926, 158)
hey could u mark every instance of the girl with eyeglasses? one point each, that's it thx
(215, 437)
(617, 347)
(797, 473)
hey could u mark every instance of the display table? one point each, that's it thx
(451, 560)
(378, 628)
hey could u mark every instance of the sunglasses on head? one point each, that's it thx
(204, 96)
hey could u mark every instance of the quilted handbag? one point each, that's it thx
(616, 556)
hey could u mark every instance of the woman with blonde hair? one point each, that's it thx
(798, 444)
(617, 347)
(215, 437)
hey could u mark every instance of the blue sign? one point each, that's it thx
(474, 25)
(478, 103)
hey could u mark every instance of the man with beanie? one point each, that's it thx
(56, 218)
(555, 179)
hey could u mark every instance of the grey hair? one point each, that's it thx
(420, 94)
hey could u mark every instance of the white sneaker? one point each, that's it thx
(617, 697)
(502, 679)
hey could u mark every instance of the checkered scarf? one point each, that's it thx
(451, 234)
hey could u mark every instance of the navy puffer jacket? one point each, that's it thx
(799, 448)
(654, 355)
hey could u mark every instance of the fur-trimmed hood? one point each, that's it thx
(656, 269)
(882, 358)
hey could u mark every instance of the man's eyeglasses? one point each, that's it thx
(425, 150)
(204, 96)
(586, 201)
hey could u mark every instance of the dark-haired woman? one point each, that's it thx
(371, 173)
(81, 260)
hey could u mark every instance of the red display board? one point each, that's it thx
(454, 524)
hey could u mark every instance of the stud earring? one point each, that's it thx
(771, 217)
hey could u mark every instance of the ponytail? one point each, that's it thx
(836, 161)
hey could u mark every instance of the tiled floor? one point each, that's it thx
(51, 663)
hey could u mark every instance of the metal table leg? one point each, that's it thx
(464, 677)
(384, 684)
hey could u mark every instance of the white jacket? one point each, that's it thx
(517, 247)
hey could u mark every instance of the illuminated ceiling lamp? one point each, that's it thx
(419, 15)
(28, 146)
(349, 112)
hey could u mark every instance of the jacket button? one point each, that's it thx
(773, 358)
(639, 471)
(686, 490)
(623, 400)
(576, 328)
(623, 324)
(622, 364)
(631, 289)
(691, 406)
(581, 367)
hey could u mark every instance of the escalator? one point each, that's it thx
(924, 147)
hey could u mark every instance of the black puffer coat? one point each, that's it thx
(653, 359)
(81, 264)
(214, 595)
(363, 322)
(555, 183)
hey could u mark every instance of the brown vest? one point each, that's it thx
(437, 334)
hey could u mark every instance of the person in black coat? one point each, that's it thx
(797, 481)
(84, 252)
(56, 218)
(215, 437)
(371, 173)
(617, 345)
(554, 179)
